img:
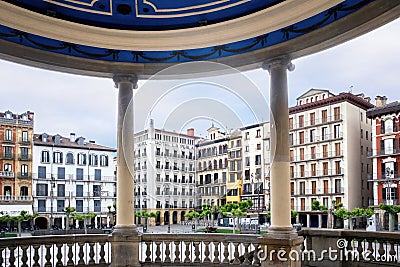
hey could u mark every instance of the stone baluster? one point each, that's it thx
(59, 255)
(102, 260)
(381, 250)
(256, 259)
(148, 251)
(35, 256)
(216, 251)
(91, 253)
(177, 252)
(158, 251)
(81, 254)
(360, 247)
(236, 253)
(167, 252)
(187, 252)
(246, 254)
(207, 258)
(370, 247)
(48, 255)
(392, 251)
(196, 251)
(11, 259)
(70, 254)
(24, 257)
(226, 252)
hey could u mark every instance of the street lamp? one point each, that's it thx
(258, 199)
(53, 185)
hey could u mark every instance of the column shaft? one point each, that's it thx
(125, 162)
(279, 116)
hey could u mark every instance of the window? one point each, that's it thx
(93, 160)
(70, 158)
(324, 134)
(336, 112)
(41, 205)
(258, 134)
(24, 191)
(79, 190)
(312, 118)
(61, 190)
(42, 172)
(313, 187)
(8, 135)
(97, 174)
(301, 153)
(7, 167)
(301, 138)
(79, 205)
(24, 153)
(301, 121)
(337, 167)
(312, 135)
(302, 171)
(258, 160)
(41, 190)
(325, 168)
(337, 149)
(313, 152)
(302, 188)
(290, 140)
(258, 146)
(338, 186)
(325, 151)
(61, 173)
(24, 136)
(57, 157)
(324, 116)
(291, 172)
(96, 190)
(81, 159)
(291, 155)
(60, 205)
(97, 205)
(313, 169)
(337, 133)
(79, 174)
(290, 123)
(24, 170)
(45, 157)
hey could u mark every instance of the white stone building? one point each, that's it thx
(165, 173)
(330, 137)
(69, 172)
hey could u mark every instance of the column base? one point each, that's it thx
(282, 247)
(125, 241)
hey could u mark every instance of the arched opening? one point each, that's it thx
(166, 218)
(175, 217)
(158, 219)
(183, 216)
(41, 223)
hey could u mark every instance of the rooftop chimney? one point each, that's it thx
(92, 141)
(190, 132)
(72, 137)
(380, 101)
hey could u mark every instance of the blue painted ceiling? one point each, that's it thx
(146, 14)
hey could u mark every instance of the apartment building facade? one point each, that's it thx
(212, 167)
(165, 174)
(70, 172)
(330, 137)
(386, 152)
(16, 132)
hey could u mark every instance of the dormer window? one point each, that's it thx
(80, 141)
(8, 114)
(44, 137)
(24, 117)
(57, 139)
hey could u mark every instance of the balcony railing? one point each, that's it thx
(24, 157)
(7, 156)
(9, 141)
(24, 175)
(318, 191)
(24, 141)
(316, 122)
(5, 174)
(15, 198)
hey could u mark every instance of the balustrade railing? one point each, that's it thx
(210, 249)
(68, 250)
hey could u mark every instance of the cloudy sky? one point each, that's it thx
(65, 103)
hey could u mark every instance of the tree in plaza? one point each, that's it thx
(236, 210)
(317, 206)
(23, 216)
(392, 210)
(68, 211)
(147, 215)
(193, 215)
(355, 213)
(83, 217)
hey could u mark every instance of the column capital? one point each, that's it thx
(285, 62)
(125, 78)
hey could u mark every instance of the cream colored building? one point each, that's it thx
(330, 137)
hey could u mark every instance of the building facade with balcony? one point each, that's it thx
(330, 137)
(16, 133)
(255, 175)
(164, 171)
(385, 152)
(212, 167)
(70, 172)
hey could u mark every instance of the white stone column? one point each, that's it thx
(308, 220)
(279, 117)
(319, 220)
(125, 132)
(125, 239)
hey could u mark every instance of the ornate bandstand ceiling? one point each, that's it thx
(99, 37)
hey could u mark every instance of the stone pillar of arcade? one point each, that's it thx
(281, 236)
(125, 238)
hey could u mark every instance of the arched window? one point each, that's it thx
(93, 160)
(57, 157)
(45, 157)
(220, 163)
(215, 164)
(70, 158)
(81, 158)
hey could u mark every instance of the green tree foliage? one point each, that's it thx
(83, 217)
(390, 208)
(317, 206)
(236, 210)
(68, 211)
(22, 217)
